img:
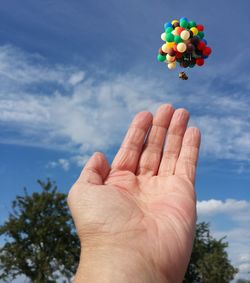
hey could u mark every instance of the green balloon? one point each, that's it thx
(200, 34)
(192, 24)
(169, 30)
(177, 39)
(161, 58)
(184, 24)
(169, 37)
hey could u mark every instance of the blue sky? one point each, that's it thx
(73, 74)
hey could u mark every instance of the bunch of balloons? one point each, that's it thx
(184, 44)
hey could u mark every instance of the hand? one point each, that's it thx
(137, 217)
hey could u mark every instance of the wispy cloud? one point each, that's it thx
(238, 250)
(65, 164)
(225, 136)
(64, 107)
(17, 68)
(80, 160)
(76, 78)
(61, 162)
(231, 207)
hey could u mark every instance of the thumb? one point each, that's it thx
(96, 169)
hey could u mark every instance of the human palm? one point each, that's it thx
(146, 201)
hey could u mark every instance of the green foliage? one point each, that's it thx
(42, 244)
(40, 239)
(209, 262)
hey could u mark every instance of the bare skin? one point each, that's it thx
(136, 218)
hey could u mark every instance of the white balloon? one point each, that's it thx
(174, 32)
(181, 47)
(163, 36)
(170, 58)
(164, 48)
(172, 65)
(185, 35)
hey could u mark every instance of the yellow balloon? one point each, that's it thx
(170, 44)
(181, 47)
(172, 65)
(163, 36)
(164, 48)
(170, 58)
(194, 30)
(174, 21)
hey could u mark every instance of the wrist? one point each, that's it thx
(115, 264)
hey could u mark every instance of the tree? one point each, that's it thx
(40, 239)
(209, 261)
(41, 243)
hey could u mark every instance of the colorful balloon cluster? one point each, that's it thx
(184, 43)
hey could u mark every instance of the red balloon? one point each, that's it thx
(201, 45)
(179, 30)
(175, 48)
(199, 61)
(207, 51)
(200, 27)
(178, 55)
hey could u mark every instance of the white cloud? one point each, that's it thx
(244, 267)
(64, 163)
(76, 78)
(239, 248)
(225, 137)
(60, 107)
(236, 212)
(229, 206)
(80, 160)
(16, 68)
(61, 162)
(21, 279)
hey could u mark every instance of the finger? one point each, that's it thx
(130, 151)
(173, 144)
(187, 161)
(96, 170)
(152, 150)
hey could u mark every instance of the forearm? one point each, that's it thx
(114, 265)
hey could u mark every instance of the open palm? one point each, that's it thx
(145, 202)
